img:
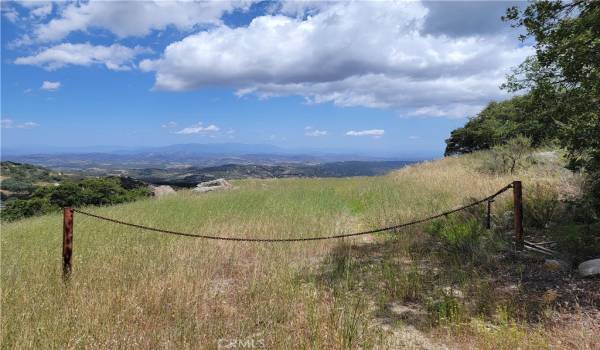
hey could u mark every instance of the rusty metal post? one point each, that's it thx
(67, 241)
(518, 203)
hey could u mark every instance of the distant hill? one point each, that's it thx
(19, 180)
(186, 155)
(190, 176)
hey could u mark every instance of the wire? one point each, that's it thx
(276, 240)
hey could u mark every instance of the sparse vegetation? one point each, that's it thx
(46, 199)
(402, 289)
(462, 236)
(20, 180)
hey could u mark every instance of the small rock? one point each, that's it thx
(161, 191)
(214, 185)
(589, 268)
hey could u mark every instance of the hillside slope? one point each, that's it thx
(21, 179)
(401, 289)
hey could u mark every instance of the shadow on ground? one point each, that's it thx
(415, 282)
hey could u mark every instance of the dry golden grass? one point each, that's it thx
(136, 289)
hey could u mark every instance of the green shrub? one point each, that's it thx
(14, 185)
(19, 208)
(445, 309)
(458, 234)
(67, 194)
(104, 191)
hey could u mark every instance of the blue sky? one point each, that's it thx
(380, 77)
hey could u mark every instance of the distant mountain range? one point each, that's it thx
(184, 155)
(208, 148)
(19, 180)
(195, 148)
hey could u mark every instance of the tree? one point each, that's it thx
(68, 194)
(91, 191)
(500, 122)
(564, 75)
(19, 208)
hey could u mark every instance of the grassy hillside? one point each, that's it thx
(135, 289)
(19, 180)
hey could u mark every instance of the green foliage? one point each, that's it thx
(67, 194)
(19, 181)
(17, 185)
(23, 177)
(104, 191)
(92, 192)
(20, 208)
(445, 309)
(28, 172)
(500, 122)
(564, 76)
(459, 234)
(562, 85)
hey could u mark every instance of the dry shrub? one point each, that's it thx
(541, 204)
(509, 157)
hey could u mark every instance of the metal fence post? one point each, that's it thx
(518, 203)
(67, 241)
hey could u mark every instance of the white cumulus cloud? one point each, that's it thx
(199, 128)
(50, 85)
(132, 18)
(364, 53)
(373, 132)
(9, 13)
(40, 9)
(114, 57)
